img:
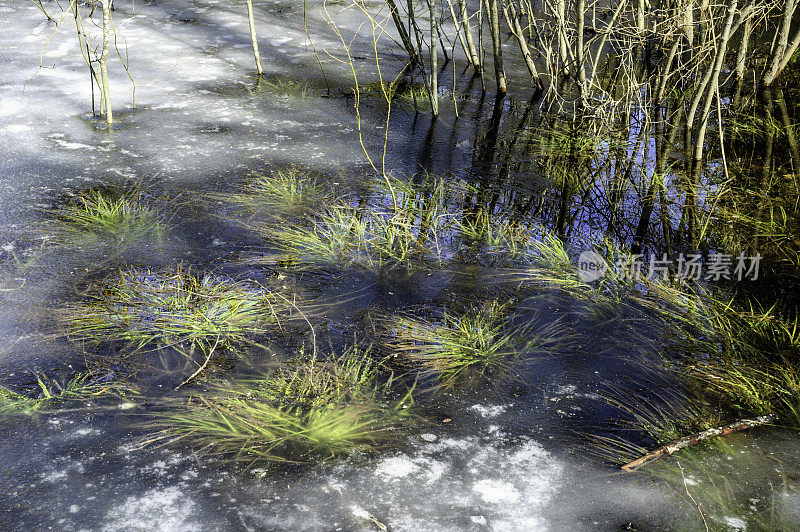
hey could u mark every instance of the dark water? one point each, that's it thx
(512, 455)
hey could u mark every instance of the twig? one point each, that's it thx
(687, 441)
(686, 487)
(203, 367)
(310, 326)
(378, 524)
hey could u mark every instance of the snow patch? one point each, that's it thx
(735, 523)
(395, 467)
(488, 411)
(164, 509)
(495, 491)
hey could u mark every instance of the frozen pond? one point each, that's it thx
(510, 457)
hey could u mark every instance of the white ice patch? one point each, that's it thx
(85, 431)
(67, 145)
(735, 523)
(16, 128)
(495, 491)
(164, 509)
(395, 467)
(488, 411)
(359, 512)
(566, 390)
(442, 484)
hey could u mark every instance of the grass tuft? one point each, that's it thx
(495, 241)
(48, 393)
(475, 343)
(95, 216)
(281, 193)
(304, 411)
(344, 236)
(172, 307)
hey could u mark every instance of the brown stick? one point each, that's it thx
(201, 368)
(687, 441)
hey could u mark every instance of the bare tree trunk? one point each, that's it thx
(782, 49)
(512, 19)
(460, 34)
(665, 131)
(413, 55)
(741, 61)
(497, 50)
(687, 20)
(790, 50)
(580, 14)
(481, 49)
(563, 44)
(705, 92)
(83, 44)
(712, 89)
(640, 18)
(433, 88)
(475, 58)
(253, 37)
(604, 38)
(107, 29)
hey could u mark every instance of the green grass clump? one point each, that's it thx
(173, 307)
(495, 241)
(754, 385)
(49, 394)
(95, 216)
(474, 343)
(304, 411)
(285, 87)
(281, 193)
(399, 91)
(373, 236)
(648, 422)
(745, 358)
(345, 236)
(551, 266)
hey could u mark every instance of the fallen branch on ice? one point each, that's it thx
(686, 441)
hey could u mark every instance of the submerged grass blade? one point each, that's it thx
(173, 306)
(306, 410)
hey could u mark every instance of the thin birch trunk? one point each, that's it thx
(475, 58)
(790, 50)
(512, 19)
(741, 61)
(563, 44)
(433, 88)
(723, 46)
(601, 45)
(460, 34)
(107, 29)
(481, 50)
(781, 45)
(497, 50)
(253, 36)
(413, 55)
(580, 53)
(83, 44)
(687, 20)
